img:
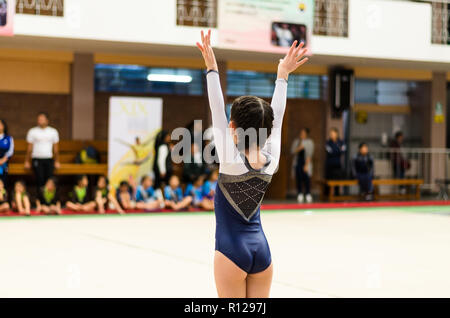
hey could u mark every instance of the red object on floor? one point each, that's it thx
(343, 205)
(272, 206)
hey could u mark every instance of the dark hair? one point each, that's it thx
(306, 130)
(145, 177)
(20, 181)
(398, 134)
(5, 127)
(252, 112)
(123, 183)
(104, 177)
(335, 130)
(44, 114)
(81, 177)
(362, 145)
(199, 177)
(53, 179)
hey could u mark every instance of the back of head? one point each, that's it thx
(250, 114)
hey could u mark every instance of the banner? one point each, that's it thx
(134, 123)
(265, 26)
(7, 9)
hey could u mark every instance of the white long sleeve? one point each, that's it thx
(10, 151)
(273, 143)
(227, 152)
(163, 152)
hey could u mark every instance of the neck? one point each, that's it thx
(252, 149)
(255, 158)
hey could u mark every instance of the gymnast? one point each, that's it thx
(242, 260)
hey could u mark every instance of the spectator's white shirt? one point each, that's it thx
(43, 140)
(163, 152)
(285, 36)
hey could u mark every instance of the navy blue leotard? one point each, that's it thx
(240, 188)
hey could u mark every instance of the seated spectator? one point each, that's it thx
(80, 199)
(48, 198)
(124, 196)
(173, 195)
(195, 190)
(363, 171)
(147, 198)
(20, 199)
(209, 187)
(194, 165)
(4, 205)
(103, 197)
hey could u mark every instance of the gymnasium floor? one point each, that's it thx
(354, 252)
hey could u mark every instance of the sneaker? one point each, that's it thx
(300, 198)
(309, 198)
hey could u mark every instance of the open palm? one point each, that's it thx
(294, 58)
(207, 51)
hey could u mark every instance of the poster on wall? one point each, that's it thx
(134, 123)
(7, 9)
(265, 26)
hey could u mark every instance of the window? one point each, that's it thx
(382, 92)
(262, 84)
(331, 18)
(141, 79)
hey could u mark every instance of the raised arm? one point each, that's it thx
(216, 102)
(215, 96)
(293, 59)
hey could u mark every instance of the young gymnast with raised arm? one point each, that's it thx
(242, 261)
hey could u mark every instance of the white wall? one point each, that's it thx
(385, 29)
(138, 21)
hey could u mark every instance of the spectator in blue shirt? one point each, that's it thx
(335, 148)
(173, 195)
(362, 167)
(209, 187)
(6, 150)
(195, 190)
(147, 198)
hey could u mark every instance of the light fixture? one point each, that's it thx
(169, 78)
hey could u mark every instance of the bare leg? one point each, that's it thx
(57, 208)
(45, 209)
(73, 206)
(54, 209)
(88, 207)
(169, 204)
(258, 284)
(116, 204)
(26, 205)
(207, 204)
(19, 204)
(183, 203)
(100, 202)
(230, 279)
(148, 205)
(4, 207)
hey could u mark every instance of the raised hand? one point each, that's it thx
(294, 58)
(207, 51)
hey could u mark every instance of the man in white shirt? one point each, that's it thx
(42, 152)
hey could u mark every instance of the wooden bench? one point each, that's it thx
(68, 150)
(376, 183)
